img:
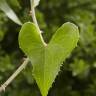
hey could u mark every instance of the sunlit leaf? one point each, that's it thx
(47, 59)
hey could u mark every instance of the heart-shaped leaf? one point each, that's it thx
(47, 59)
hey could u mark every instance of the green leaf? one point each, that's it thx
(47, 59)
(9, 12)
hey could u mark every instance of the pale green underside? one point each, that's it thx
(46, 60)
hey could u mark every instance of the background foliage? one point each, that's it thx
(78, 74)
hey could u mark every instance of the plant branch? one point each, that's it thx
(35, 20)
(2, 88)
(33, 14)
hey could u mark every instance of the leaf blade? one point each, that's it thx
(58, 49)
(29, 31)
(9, 12)
(47, 60)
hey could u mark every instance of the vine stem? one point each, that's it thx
(12, 77)
(34, 15)
(24, 64)
(35, 20)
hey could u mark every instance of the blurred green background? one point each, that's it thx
(78, 74)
